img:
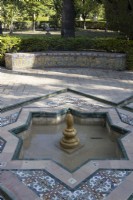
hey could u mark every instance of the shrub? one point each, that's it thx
(8, 44)
(56, 43)
(27, 25)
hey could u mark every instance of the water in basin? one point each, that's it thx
(42, 142)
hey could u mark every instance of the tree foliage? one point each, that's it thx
(119, 15)
(63, 11)
(87, 9)
(31, 9)
(10, 12)
(57, 7)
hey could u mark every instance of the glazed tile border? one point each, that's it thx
(4, 121)
(126, 119)
(2, 144)
(69, 99)
(96, 187)
(131, 197)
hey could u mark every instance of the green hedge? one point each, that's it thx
(55, 43)
(92, 25)
(8, 44)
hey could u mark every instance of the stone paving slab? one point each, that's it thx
(130, 105)
(18, 86)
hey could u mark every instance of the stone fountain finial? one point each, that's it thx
(69, 121)
(69, 141)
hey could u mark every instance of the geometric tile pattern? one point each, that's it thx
(65, 99)
(96, 187)
(8, 119)
(2, 144)
(126, 119)
(55, 102)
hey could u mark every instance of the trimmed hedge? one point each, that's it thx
(27, 25)
(55, 43)
(92, 25)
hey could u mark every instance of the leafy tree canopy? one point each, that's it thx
(119, 15)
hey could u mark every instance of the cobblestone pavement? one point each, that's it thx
(89, 91)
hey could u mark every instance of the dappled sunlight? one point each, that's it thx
(18, 86)
(106, 87)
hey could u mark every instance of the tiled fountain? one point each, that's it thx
(33, 165)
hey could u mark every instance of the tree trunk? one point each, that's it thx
(11, 23)
(11, 27)
(34, 22)
(68, 19)
(1, 31)
(84, 21)
(84, 24)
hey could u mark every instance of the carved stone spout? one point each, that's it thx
(70, 140)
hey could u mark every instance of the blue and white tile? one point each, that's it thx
(2, 144)
(125, 116)
(96, 187)
(9, 119)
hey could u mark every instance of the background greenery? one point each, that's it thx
(116, 15)
(13, 11)
(119, 16)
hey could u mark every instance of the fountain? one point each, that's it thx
(43, 139)
(69, 141)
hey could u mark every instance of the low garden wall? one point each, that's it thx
(90, 59)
